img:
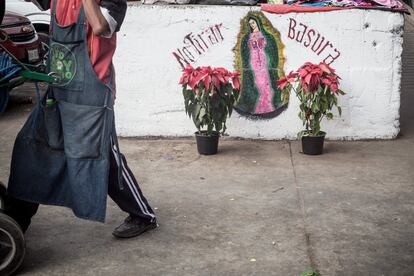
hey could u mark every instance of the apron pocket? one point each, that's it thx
(83, 128)
(53, 127)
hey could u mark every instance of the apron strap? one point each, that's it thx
(53, 15)
(54, 9)
(81, 17)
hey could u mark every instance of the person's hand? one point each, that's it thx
(95, 17)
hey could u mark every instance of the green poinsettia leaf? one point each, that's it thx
(329, 116)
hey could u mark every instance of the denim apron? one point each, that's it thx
(61, 155)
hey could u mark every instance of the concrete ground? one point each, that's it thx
(256, 208)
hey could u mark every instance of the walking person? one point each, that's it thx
(67, 152)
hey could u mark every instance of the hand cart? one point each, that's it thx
(13, 73)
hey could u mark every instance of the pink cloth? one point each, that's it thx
(282, 9)
(389, 3)
(257, 43)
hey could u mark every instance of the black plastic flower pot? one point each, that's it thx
(207, 144)
(313, 145)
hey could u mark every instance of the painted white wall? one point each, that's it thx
(149, 99)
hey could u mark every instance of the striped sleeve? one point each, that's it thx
(116, 9)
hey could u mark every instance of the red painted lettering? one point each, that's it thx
(188, 40)
(199, 36)
(188, 54)
(180, 58)
(303, 33)
(307, 36)
(292, 25)
(320, 43)
(332, 57)
(196, 45)
(218, 26)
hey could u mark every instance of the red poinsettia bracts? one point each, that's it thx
(332, 81)
(326, 68)
(190, 76)
(235, 80)
(289, 79)
(310, 76)
(316, 86)
(185, 77)
(217, 77)
(209, 95)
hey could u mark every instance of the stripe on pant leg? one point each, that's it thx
(134, 186)
(136, 189)
(127, 174)
(131, 187)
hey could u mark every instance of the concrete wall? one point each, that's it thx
(149, 99)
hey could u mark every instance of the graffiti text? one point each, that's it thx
(196, 44)
(308, 37)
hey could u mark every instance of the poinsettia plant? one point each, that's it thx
(316, 86)
(209, 94)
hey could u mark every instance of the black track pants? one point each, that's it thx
(130, 199)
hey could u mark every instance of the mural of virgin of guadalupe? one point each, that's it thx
(259, 59)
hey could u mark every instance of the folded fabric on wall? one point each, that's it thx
(227, 2)
(291, 8)
(332, 5)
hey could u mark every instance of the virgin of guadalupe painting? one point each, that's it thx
(259, 59)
